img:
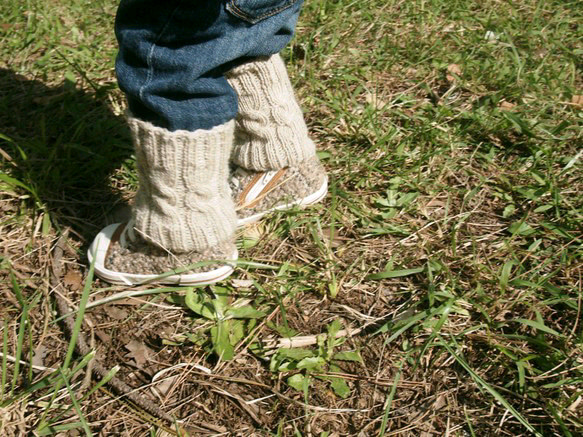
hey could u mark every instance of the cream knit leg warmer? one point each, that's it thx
(271, 132)
(183, 202)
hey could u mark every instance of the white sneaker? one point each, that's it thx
(121, 257)
(258, 193)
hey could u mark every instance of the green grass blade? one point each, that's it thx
(48, 381)
(389, 401)
(19, 347)
(4, 359)
(76, 405)
(395, 273)
(481, 383)
(79, 318)
(539, 326)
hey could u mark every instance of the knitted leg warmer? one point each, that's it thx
(271, 132)
(183, 202)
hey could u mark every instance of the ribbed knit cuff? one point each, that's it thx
(183, 202)
(271, 132)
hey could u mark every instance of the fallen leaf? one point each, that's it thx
(440, 402)
(116, 313)
(453, 70)
(574, 405)
(73, 279)
(39, 356)
(336, 240)
(374, 100)
(507, 106)
(138, 351)
(103, 336)
(164, 386)
(577, 100)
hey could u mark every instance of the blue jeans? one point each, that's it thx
(173, 54)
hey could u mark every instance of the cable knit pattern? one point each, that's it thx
(183, 202)
(271, 132)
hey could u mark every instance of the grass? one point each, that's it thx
(451, 235)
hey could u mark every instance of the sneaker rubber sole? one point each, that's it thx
(99, 249)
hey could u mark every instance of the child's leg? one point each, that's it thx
(271, 131)
(271, 140)
(173, 56)
(171, 65)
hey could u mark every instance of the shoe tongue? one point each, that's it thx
(238, 174)
(241, 172)
(128, 235)
(257, 185)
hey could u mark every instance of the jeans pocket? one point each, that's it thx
(253, 11)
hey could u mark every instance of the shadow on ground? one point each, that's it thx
(64, 144)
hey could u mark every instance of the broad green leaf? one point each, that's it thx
(248, 242)
(312, 363)
(348, 356)
(296, 381)
(197, 338)
(340, 387)
(196, 303)
(381, 202)
(334, 327)
(245, 312)
(237, 331)
(14, 182)
(389, 214)
(521, 228)
(508, 210)
(220, 301)
(286, 366)
(220, 338)
(505, 274)
(407, 198)
(337, 383)
(539, 325)
(56, 429)
(284, 331)
(395, 273)
(296, 354)
(333, 287)
(46, 225)
(543, 208)
(332, 341)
